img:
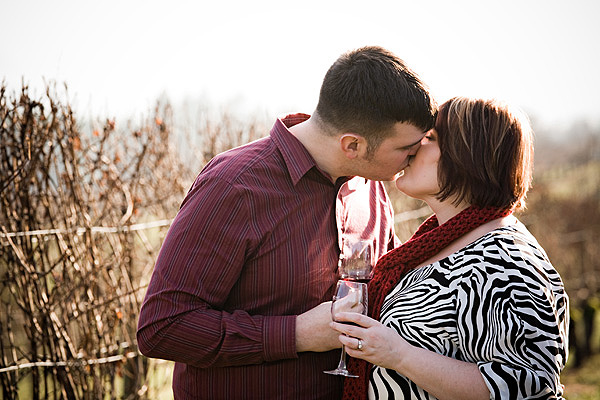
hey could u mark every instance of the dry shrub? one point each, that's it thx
(84, 207)
(75, 253)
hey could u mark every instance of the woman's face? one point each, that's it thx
(420, 178)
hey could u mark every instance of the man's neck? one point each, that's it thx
(322, 146)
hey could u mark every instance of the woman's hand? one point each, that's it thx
(380, 345)
(441, 376)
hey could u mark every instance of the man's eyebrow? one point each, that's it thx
(411, 145)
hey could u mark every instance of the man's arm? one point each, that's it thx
(200, 261)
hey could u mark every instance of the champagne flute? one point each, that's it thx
(350, 296)
(356, 261)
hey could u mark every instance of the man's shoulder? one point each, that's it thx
(256, 147)
(237, 161)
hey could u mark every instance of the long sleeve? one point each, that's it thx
(513, 317)
(185, 315)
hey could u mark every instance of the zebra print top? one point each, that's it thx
(499, 303)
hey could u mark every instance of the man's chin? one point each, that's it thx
(385, 178)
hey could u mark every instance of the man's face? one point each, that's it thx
(386, 161)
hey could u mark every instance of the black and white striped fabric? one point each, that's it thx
(497, 302)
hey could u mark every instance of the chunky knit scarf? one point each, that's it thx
(429, 239)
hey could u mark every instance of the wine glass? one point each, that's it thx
(356, 261)
(349, 296)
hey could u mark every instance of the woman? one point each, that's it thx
(470, 306)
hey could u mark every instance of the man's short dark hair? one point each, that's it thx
(368, 90)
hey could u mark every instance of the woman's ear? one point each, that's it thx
(352, 145)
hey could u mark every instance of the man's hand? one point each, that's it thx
(313, 330)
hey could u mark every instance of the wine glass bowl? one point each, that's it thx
(356, 261)
(353, 299)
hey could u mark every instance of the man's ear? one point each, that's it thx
(352, 145)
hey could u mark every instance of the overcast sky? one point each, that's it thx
(119, 56)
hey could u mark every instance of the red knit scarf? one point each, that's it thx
(429, 239)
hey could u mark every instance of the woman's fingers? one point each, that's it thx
(350, 330)
(356, 318)
(352, 343)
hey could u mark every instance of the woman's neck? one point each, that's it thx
(445, 210)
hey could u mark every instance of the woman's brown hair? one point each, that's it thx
(486, 153)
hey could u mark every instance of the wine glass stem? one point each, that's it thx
(342, 363)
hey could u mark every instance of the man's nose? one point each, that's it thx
(414, 149)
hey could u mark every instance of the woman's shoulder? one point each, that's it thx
(512, 242)
(509, 253)
(508, 240)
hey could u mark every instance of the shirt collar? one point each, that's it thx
(298, 160)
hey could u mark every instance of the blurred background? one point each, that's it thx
(108, 110)
(270, 56)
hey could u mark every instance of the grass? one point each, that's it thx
(583, 383)
(580, 384)
(160, 377)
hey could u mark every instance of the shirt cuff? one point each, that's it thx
(511, 382)
(279, 337)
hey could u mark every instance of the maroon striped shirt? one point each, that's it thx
(255, 243)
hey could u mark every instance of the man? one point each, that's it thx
(252, 254)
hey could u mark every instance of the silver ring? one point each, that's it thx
(360, 346)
